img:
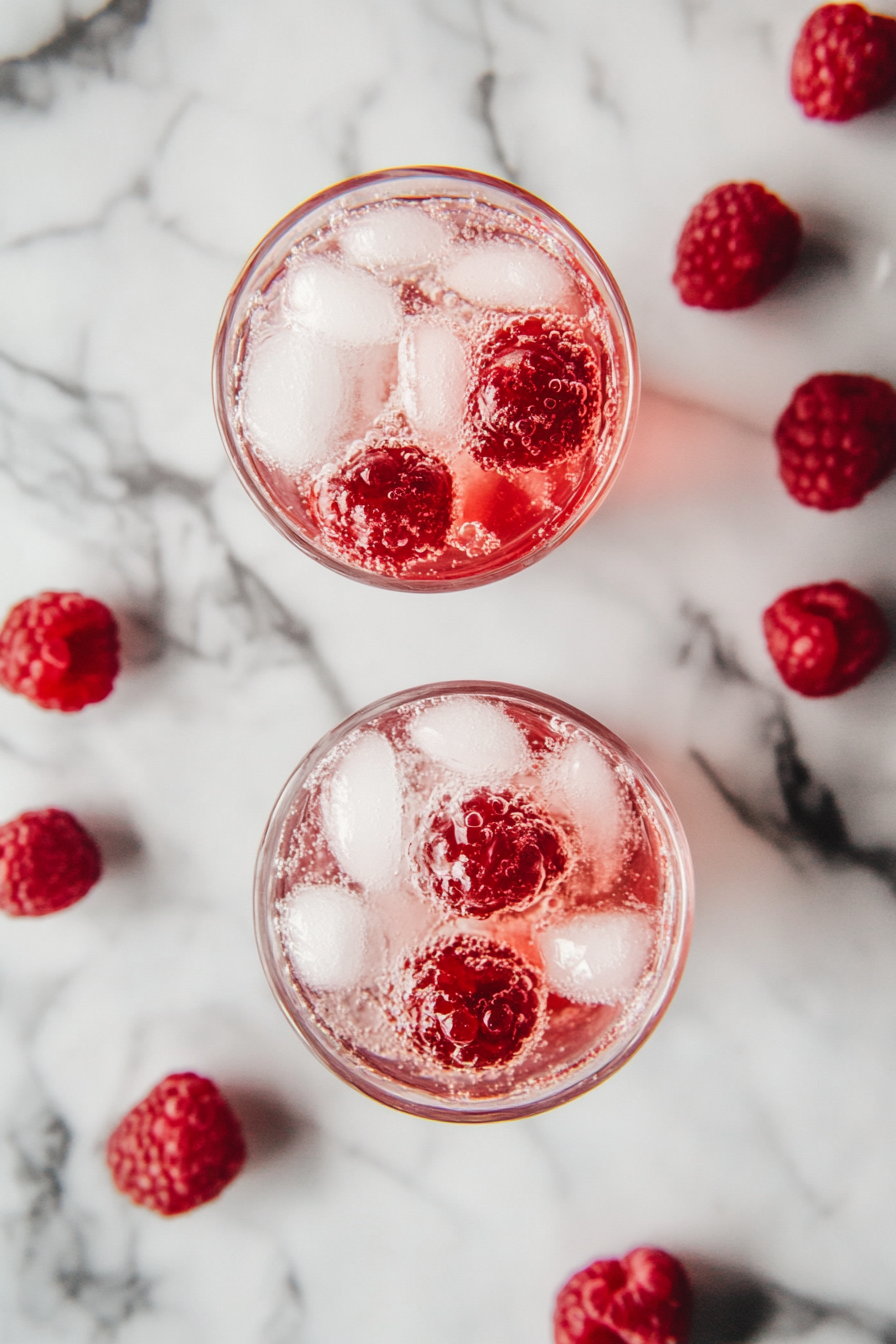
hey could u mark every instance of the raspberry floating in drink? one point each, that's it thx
(837, 439)
(535, 394)
(472, 901)
(178, 1148)
(47, 862)
(487, 852)
(470, 1002)
(386, 507)
(844, 62)
(59, 650)
(425, 378)
(644, 1298)
(825, 638)
(737, 244)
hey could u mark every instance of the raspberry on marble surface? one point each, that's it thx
(844, 62)
(47, 862)
(837, 439)
(178, 1148)
(59, 650)
(644, 1298)
(471, 1002)
(825, 638)
(389, 505)
(536, 394)
(736, 245)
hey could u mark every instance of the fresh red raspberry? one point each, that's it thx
(536, 394)
(489, 852)
(644, 1298)
(825, 638)
(59, 650)
(738, 242)
(837, 439)
(844, 62)
(471, 1002)
(389, 505)
(178, 1148)
(47, 861)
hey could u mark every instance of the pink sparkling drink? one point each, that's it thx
(426, 378)
(473, 902)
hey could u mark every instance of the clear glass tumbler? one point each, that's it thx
(425, 378)
(473, 901)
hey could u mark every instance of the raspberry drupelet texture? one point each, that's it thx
(844, 62)
(59, 650)
(47, 862)
(644, 1298)
(825, 638)
(737, 244)
(487, 852)
(536, 394)
(389, 505)
(837, 439)
(178, 1148)
(470, 1002)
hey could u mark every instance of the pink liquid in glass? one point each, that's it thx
(473, 901)
(426, 378)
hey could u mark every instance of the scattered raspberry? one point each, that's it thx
(489, 852)
(178, 1148)
(59, 650)
(471, 1002)
(837, 439)
(825, 638)
(389, 505)
(47, 861)
(645, 1298)
(738, 242)
(536, 394)
(844, 62)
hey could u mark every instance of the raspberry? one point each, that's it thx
(825, 638)
(59, 650)
(738, 242)
(389, 505)
(470, 1002)
(644, 1298)
(489, 852)
(837, 439)
(178, 1148)
(47, 861)
(844, 62)
(536, 394)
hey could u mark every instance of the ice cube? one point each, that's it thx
(507, 275)
(472, 736)
(397, 237)
(598, 958)
(361, 810)
(587, 787)
(344, 306)
(432, 372)
(325, 932)
(294, 397)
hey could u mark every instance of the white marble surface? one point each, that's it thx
(144, 147)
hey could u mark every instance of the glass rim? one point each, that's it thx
(228, 326)
(414, 1100)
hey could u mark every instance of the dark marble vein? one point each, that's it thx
(55, 1270)
(286, 1324)
(790, 807)
(78, 455)
(484, 111)
(89, 44)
